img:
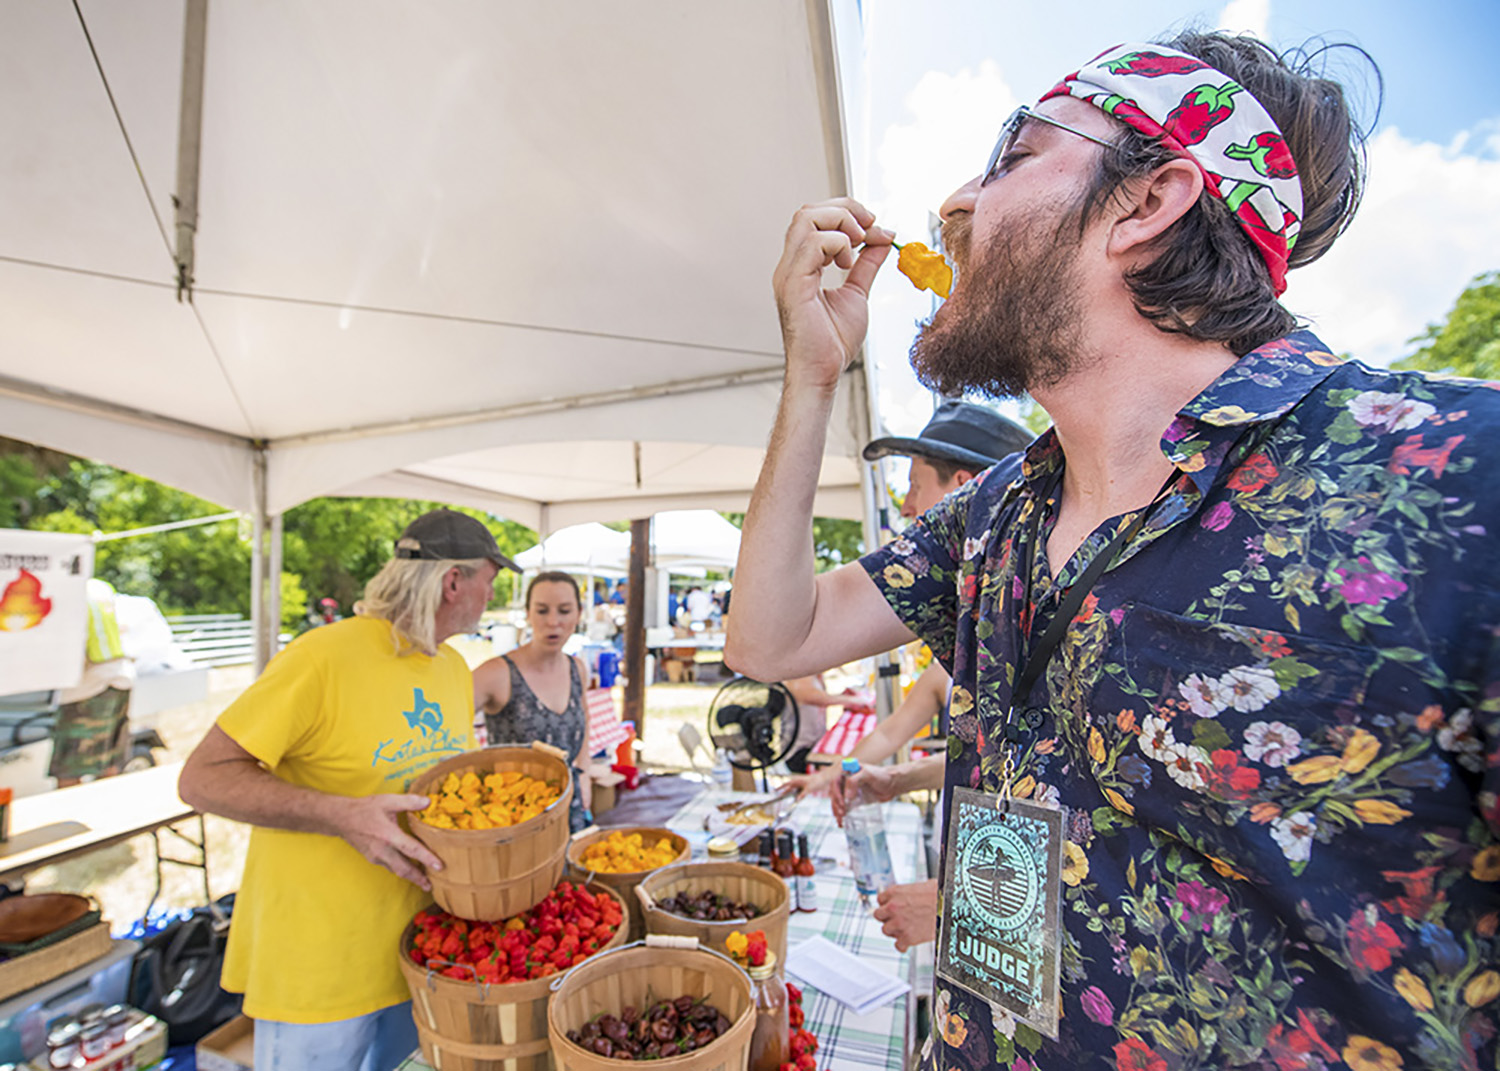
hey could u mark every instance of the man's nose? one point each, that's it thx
(908, 510)
(960, 200)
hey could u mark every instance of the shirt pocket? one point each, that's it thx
(1271, 752)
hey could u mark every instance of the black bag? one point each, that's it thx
(176, 975)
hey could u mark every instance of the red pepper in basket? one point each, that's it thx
(561, 931)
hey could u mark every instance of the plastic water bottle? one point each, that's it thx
(869, 854)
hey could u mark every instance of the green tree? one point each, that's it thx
(835, 541)
(1034, 416)
(1467, 343)
(337, 544)
(331, 546)
(293, 601)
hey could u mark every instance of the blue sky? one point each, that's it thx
(926, 85)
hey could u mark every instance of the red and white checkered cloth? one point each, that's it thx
(846, 733)
(606, 731)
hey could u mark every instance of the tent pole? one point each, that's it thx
(635, 627)
(273, 591)
(259, 590)
(872, 486)
(189, 141)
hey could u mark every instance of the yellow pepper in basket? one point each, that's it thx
(624, 853)
(925, 268)
(495, 801)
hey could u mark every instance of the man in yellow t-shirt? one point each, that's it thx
(317, 754)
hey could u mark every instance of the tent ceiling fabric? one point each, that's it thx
(473, 252)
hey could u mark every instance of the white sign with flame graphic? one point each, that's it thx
(44, 609)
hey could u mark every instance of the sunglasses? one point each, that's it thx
(1011, 129)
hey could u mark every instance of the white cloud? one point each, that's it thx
(948, 127)
(1427, 226)
(951, 123)
(1246, 16)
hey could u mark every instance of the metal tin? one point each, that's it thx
(722, 849)
(94, 1042)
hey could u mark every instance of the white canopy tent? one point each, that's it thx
(685, 539)
(508, 256)
(580, 548)
(694, 539)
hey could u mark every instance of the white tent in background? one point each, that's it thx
(693, 539)
(589, 548)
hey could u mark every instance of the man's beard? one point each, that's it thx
(1015, 323)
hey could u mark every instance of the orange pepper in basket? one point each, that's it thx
(925, 268)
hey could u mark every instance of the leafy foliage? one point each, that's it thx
(835, 541)
(1468, 342)
(330, 547)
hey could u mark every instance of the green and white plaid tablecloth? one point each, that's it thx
(848, 1042)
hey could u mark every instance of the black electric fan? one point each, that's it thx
(755, 723)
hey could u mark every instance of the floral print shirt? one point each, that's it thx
(1272, 728)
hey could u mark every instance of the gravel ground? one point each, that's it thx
(121, 878)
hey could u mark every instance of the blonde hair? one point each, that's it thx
(407, 592)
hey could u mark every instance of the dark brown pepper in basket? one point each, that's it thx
(669, 1028)
(707, 906)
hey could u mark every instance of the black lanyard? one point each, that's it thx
(1072, 599)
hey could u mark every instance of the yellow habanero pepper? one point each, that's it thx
(925, 268)
(493, 802)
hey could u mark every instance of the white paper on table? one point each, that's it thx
(824, 966)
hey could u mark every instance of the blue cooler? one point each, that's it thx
(609, 668)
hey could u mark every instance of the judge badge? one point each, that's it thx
(999, 937)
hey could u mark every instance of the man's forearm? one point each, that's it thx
(774, 591)
(923, 773)
(881, 744)
(923, 703)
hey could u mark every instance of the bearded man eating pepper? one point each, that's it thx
(1223, 640)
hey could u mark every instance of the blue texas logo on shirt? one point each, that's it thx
(427, 737)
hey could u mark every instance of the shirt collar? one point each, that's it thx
(1261, 386)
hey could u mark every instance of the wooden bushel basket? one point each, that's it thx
(494, 873)
(476, 1026)
(640, 974)
(740, 882)
(625, 882)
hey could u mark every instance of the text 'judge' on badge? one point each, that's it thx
(999, 934)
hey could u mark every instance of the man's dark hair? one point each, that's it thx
(1208, 281)
(945, 469)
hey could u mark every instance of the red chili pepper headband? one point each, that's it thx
(1212, 120)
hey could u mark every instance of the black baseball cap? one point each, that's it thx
(446, 534)
(971, 435)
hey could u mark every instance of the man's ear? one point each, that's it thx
(1149, 206)
(450, 583)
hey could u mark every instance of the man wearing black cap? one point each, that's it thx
(959, 442)
(317, 755)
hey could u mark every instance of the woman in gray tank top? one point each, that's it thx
(536, 691)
